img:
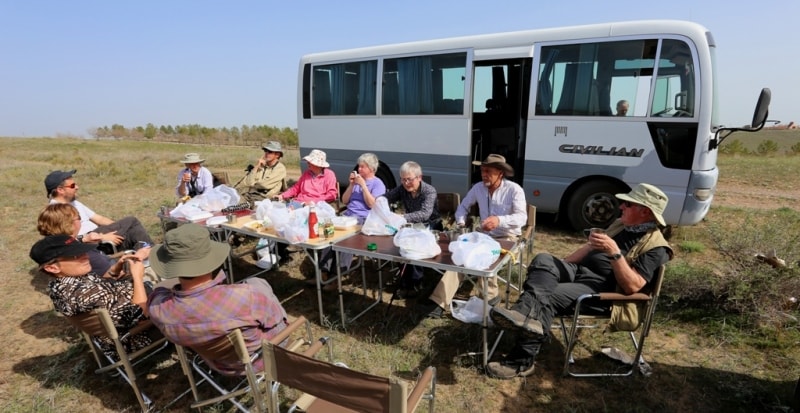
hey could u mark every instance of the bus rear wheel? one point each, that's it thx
(594, 204)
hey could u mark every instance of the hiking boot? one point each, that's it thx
(508, 369)
(514, 320)
(431, 309)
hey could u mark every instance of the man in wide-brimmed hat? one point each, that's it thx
(194, 178)
(317, 183)
(268, 177)
(626, 256)
(502, 209)
(201, 308)
(95, 228)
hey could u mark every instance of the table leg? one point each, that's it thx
(485, 328)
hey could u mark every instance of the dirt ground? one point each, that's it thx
(36, 343)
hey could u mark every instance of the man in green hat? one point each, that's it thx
(625, 256)
(201, 308)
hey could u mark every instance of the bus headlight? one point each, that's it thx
(703, 194)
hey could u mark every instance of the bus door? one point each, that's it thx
(499, 112)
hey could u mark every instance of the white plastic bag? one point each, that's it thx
(261, 209)
(296, 229)
(279, 215)
(475, 250)
(468, 311)
(212, 200)
(233, 196)
(416, 244)
(324, 211)
(381, 220)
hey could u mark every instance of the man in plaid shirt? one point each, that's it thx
(201, 308)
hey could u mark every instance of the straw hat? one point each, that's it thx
(188, 252)
(649, 196)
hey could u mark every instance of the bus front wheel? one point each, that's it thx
(594, 204)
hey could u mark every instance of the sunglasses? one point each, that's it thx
(628, 204)
(70, 186)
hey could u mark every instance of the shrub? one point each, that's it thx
(767, 147)
(795, 149)
(734, 147)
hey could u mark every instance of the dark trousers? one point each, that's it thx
(552, 287)
(130, 229)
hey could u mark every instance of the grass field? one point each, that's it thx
(703, 359)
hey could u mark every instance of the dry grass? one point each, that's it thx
(698, 364)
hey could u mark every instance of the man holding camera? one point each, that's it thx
(268, 177)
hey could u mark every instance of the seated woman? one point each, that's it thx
(420, 205)
(317, 183)
(359, 196)
(64, 219)
(75, 289)
(193, 179)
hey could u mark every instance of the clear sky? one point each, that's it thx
(70, 66)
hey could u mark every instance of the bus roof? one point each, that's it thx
(520, 38)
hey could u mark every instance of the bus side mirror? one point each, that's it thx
(762, 109)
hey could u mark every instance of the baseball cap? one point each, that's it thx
(54, 246)
(55, 178)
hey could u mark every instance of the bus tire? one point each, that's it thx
(594, 205)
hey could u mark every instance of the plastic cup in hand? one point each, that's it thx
(591, 231)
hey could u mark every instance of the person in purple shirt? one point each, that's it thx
(201, 308)
(360, 196)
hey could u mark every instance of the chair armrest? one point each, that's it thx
(623, 297)
(289, 330)
(419, 389)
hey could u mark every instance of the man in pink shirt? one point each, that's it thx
(317, 183)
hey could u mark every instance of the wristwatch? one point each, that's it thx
(616, 256)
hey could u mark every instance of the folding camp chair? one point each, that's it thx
(570, 323)
(448, 204)
(97, 323)
(232, 347)
(335, 388)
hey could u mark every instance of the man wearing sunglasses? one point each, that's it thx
(625, 256)
(95, 228)
(268, 177)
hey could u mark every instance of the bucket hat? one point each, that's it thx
(55, 178)
(188, 252)
(272, 146)
(192, 158)
(649, 196)
(497, 161)
(54, 246)
(317, 158)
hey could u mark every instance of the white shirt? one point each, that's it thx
(86, 216)
(507, 203)
(203, 183)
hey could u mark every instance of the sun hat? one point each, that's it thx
(649, 196)
(496, 161)
(188, 252)
(192, 158)
(54, 246)
(55, 178)
(317, 158)
(272, 146)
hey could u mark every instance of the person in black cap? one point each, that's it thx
(95, 228)
(75, 289)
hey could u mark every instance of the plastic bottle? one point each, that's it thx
(313, 229)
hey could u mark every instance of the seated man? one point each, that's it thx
(75, 289)
(194, 178)
(317, 183)
(419, 206)
(625, 257)
(202, 308)
(268, 178)
(501, 205)
(126, 232)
